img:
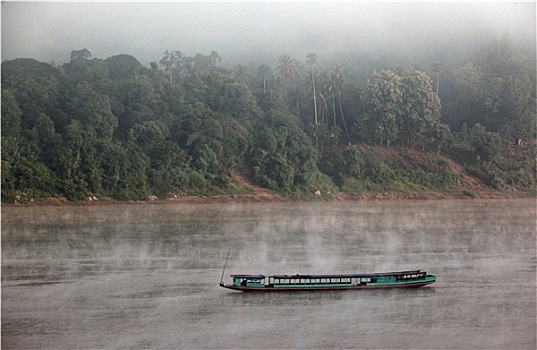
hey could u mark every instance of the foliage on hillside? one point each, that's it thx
(114, 128)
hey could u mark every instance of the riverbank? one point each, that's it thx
(266, 196)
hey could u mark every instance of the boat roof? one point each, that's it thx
(361, 275)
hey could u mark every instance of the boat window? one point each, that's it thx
(286, 281)
(323, 280)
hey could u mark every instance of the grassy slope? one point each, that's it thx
(404, 161)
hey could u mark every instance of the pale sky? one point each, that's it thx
(243, 31)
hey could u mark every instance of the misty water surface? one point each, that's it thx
(146, 276)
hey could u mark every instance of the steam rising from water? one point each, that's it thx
(146, 276)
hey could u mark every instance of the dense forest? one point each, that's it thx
(185, 125)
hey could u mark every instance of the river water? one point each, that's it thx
(146, 276)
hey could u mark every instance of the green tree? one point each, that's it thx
(487, 145)
(400, 105)
(133, 101)
(80, 54)
(500, 92)
(174, 63)
(421, 108)
(123, 67)
(239, 74)
(225, 96)
(11, 114)
(92, 109)
(203, 65)
(353, 162)
(384, 101)
(282, 153)
(82, 69)
(36, 88)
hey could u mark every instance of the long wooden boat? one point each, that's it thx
(280, 283)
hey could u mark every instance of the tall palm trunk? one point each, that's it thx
(311, 58)
(334, 109)
(343, 119)
(314, 95)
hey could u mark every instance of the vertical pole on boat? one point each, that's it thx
(225, 263)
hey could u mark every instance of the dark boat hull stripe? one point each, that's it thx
(321, 288)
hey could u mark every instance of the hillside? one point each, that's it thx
(467, 186)
(186, 128)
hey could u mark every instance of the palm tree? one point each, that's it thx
(437, 69)
(264, 71)
(339, 76)
(324, 108)
(288, 70)
(311, 58)
(329, 88)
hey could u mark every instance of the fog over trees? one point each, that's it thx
(318, 117)
(250, 32)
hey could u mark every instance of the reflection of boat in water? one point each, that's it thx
(276, 283)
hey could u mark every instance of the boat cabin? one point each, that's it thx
(283, 281)
(248, 280)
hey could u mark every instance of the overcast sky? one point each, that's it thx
(246, 30)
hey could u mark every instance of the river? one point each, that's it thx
(146, 276)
